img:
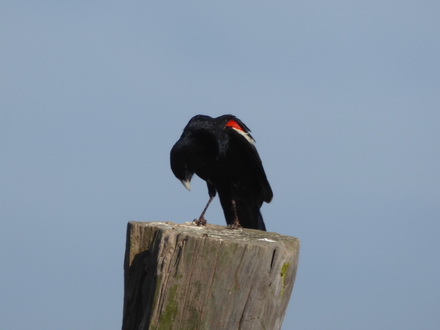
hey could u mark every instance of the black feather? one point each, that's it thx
(221, 151)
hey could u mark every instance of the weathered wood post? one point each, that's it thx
(189, 277)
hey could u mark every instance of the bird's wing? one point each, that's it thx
(240, 134)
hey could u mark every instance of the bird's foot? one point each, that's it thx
(235, 225)
(200, 221)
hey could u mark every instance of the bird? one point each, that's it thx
(222, 152)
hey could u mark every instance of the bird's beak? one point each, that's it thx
(187, 184)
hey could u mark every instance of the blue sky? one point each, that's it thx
(343, 99)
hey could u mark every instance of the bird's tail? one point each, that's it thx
(261, 224)
(250, 216)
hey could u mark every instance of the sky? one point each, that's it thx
(342, 97)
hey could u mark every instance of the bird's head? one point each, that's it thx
(196, 147)
(180, 165)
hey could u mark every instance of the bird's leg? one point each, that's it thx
(236, 223)
(201, 221)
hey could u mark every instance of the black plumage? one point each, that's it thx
(221, 151)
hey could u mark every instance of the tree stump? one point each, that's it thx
(181, 276)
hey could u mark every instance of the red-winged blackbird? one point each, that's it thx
(221, 151)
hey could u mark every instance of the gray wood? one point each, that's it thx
(180, 276)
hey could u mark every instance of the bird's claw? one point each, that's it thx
(200, 221)
(235, 225)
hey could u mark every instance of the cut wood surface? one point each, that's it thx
(181, 276)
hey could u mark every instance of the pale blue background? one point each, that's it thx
(343, 98)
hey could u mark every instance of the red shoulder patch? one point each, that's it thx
(233, 124)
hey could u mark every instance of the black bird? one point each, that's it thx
(221, 151)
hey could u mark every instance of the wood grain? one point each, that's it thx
(181, 276)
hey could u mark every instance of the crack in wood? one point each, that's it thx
(272, 260)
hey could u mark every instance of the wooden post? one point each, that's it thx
(181, 276)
